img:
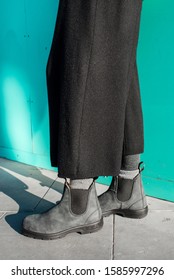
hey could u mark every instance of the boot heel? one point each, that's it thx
(91, 228)
(134, 214)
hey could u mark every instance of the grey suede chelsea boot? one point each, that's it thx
(125, 197)
(78, 211)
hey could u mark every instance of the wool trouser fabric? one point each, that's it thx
(93, 87)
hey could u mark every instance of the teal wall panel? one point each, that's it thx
(156, 57)
(25, 43)
(26, 33)
(14, 94)
(156, 68)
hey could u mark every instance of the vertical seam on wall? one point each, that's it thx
(25, 13)
(79, 143)
(29, 99)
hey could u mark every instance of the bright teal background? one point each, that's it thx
(26, 33)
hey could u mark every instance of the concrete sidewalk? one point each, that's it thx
(21, 189)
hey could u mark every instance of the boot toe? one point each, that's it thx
(30, 223)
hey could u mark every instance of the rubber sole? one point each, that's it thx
(127, 213)
(82, 230)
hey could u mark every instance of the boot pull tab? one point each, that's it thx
(67, 182)
(114, 184)
(141, 168)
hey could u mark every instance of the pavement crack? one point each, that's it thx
(113, 239)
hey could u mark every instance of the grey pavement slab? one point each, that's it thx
(158, 204)
(148, 238)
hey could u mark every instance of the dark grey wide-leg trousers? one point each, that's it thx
(93, 87)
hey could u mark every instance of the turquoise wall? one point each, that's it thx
(156, 68)
(26, 33)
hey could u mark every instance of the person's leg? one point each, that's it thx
(129, 181)
(79, 209)
(133, 132)
(125, 195)
(129, 167)
(88, 75)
